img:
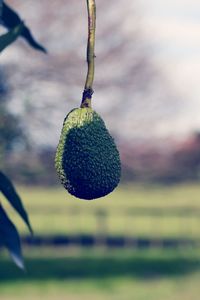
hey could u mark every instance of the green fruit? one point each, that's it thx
(87, 160)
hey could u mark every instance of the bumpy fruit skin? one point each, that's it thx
(87, 160)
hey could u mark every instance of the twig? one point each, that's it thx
(88, 90)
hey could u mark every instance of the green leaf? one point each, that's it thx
(9, 237)
(8, 190)
(11, 19)
(9, 37)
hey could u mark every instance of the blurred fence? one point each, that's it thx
(120, 227)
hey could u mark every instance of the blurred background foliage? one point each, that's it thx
(37, 94)
(11, 133)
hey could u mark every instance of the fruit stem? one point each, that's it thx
(88, 91)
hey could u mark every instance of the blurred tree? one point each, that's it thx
(11, 131)
(187, 158)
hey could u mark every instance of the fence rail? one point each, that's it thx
(136, 211)
(116, 226)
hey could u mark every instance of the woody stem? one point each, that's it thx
(88, 90)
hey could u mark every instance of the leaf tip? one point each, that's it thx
(18, 260)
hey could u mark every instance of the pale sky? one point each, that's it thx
(173, 28)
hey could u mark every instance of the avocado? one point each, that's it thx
(87, 159)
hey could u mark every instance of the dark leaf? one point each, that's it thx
(9, 237)
(11, 19)
(8, 190)
(1, 6)
(28, 36)
(9, 37)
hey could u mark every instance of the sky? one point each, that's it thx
(173, 29)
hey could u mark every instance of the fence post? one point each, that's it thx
(102, 227)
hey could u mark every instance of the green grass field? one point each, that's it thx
(132, 211)
(74, 274)
(100, 273)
